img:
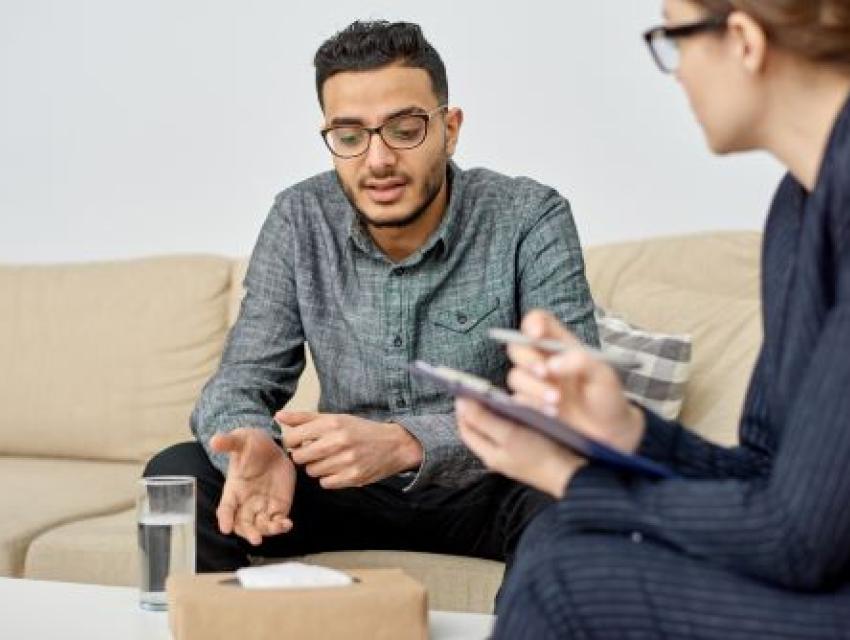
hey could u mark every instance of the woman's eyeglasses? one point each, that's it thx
(663, 41)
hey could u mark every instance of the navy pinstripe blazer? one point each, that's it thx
(776, 507)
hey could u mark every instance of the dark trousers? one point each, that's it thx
(483, 520)
(593, 585)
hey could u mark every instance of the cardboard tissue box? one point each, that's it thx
(380, 604)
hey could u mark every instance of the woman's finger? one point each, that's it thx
(480, 445)
(484, 422)
(542, 324)
(574, 364)
(530, 386)
(528, 358)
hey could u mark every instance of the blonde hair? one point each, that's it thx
(815, 29)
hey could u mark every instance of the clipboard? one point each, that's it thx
(466, 385)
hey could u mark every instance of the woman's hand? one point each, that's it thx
(515, 451)
(576, 386)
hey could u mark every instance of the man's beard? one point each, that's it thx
(429, 192)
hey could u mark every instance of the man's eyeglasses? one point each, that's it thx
(663, 41)
(406, 131)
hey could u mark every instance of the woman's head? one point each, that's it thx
(730, 74)
(817, 30)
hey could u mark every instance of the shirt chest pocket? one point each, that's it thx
(456, 336)
(466, 317)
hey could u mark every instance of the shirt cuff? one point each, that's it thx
(445, 459)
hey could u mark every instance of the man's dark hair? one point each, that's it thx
(363, 46)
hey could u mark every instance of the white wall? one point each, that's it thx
(148, 126)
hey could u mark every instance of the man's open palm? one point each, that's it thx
(257, 494)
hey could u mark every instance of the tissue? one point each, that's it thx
(291, 575)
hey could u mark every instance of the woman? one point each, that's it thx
(754, 540)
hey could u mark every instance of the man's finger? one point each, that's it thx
(283, 522)
(294, 418)
(339, 481)
(277, 525)
(227, 442)
(309, 431)
(248, 532)
(265, 525)
(313, 451)
(245, 524)
(226, 512)
(329, 466)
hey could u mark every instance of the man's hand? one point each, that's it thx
(346, 451)
(257, 494)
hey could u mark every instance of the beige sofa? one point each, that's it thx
(100, 365)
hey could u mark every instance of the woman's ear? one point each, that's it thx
(749, 41)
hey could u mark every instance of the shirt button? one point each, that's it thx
(462, 318)
(397, 342)
(399, 271)
(401, 403)
(637, 537)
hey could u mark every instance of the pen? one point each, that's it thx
(511, 336)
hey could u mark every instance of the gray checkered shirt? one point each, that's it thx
(505, 246)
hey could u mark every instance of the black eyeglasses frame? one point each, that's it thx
(426, 116)
(712, 23)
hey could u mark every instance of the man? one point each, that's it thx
(397, 255)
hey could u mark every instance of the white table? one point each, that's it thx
(33, 609)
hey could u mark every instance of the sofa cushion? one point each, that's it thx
(705, 285)
(99, 550)
(103, 551)
(106, 360)
(41, 494)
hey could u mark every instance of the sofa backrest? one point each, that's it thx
(105, 361)
(706, 285)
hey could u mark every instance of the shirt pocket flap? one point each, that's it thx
(465, 317)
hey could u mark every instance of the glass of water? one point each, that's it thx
(165, 514)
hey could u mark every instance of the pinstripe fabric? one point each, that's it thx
(755, 540)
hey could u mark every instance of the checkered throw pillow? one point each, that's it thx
(659, 383)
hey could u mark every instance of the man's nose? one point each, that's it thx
(379, 155)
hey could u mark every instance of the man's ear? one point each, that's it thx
(749, 41)
(454, 120)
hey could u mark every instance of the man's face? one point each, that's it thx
(390, 187)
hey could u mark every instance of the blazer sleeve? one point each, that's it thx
(692, 456)
(790, 526)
